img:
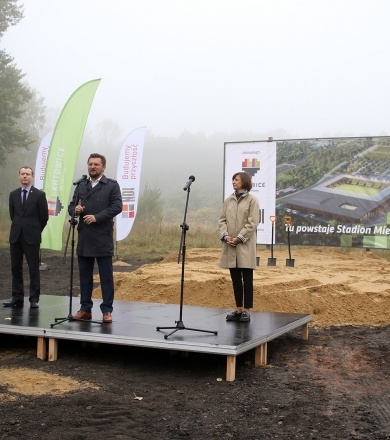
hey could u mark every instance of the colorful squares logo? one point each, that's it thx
(251, 166)
(128, 200)
(55, 206)
(128, 211)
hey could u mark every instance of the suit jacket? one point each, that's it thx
(104, 201)
(30, 219)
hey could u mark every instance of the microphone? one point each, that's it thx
(188, 184)
(82, 178)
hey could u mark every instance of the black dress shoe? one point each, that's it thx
(34, 305)
(13, 303)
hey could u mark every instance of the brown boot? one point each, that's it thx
(107, 317)
(81, 314)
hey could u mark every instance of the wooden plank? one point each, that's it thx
(305, 332)
(261, 355)
(41, 348)
(53, 349)
(230, 368)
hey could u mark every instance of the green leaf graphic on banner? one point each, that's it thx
(62, 158)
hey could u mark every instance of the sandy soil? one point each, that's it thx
(336, 288)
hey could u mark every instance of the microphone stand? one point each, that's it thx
(180, 324)
(72, 223)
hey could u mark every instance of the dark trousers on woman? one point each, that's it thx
(19, 250)
(242, 280)
(86, 265)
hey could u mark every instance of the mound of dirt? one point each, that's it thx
(334, 286)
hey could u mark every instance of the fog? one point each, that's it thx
(309, 67)
(198, 73)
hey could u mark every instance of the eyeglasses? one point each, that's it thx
(95, 164)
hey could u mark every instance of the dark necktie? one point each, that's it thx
(24, 196)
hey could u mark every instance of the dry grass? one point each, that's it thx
(148, 242)
(152, 242)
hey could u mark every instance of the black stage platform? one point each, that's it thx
(135, 324)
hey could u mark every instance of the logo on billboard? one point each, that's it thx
(55, 206)
(128, 202)
(251, 166)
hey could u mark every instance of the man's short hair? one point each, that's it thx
(97, 156)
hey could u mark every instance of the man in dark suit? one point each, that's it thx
(96, 201)
(29, 214)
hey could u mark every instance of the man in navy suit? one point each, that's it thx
(29, 214)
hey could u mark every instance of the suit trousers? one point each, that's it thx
(31, 252)
(86, 266)
(242, 280)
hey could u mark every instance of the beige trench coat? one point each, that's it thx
(239, 218)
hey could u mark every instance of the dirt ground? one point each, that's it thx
(335, 385)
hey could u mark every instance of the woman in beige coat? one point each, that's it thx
(237, 229)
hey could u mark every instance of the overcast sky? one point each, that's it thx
(313, 68)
